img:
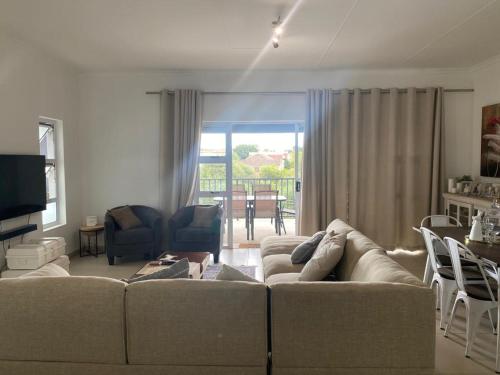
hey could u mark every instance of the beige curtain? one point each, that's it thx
(180, 134)
(374, 159)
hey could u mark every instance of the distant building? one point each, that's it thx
(256, 160)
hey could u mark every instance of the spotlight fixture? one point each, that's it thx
(277, 31)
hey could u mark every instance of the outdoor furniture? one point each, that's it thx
(261, 187)
(266, 205)
(183, 237)
(240, 207)
(145, 239)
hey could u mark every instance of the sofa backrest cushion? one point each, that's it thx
(50, 269)
(339, 226)
(376, 266)
(63, 319)
(197, 323)
(353, 327)
(357, 245)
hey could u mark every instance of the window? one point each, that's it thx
(51, 147)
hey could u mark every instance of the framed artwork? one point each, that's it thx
(490, 141)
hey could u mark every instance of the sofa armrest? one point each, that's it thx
(280, 244)
(353, 325)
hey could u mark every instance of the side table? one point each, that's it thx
(90, 232)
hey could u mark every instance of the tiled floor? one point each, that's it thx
(262, 228)
(450, 357)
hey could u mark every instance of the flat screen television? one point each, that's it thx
(22, 185)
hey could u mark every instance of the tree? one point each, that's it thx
(244, 150)
(241, 170)
(272, 171)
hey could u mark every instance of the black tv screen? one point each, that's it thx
(22, 185)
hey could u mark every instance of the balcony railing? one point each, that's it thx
(285, 186)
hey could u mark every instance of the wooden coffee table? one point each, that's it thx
(198, 262)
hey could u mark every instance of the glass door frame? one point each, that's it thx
(230, 128)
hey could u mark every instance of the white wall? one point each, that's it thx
(486, 78)
(120, 124)
(33, 84)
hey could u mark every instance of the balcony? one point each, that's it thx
(263, 227)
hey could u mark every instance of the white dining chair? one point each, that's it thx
(478, 297)
(441, 221)
(443, 275)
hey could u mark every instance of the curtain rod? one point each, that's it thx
(363, 91)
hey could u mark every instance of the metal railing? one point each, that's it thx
(285, 186)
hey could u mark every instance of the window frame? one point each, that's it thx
(58, 166)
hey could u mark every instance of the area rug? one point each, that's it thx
(213, 270)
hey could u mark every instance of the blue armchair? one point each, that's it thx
(145, 239)
(183, 237)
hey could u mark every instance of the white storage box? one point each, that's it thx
(56, 246)
(27, 257)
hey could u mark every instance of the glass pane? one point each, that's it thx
(212, 177)
(213, 144)
(50, 214)
(50, 178)
(46, 139)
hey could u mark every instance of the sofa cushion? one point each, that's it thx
(304, 252)
(325, 258)
(229, 273)
(376, 266)
(194, 234)
(339, 226)
(63, 319)
(178, 270)
(279, 263)
(413, 261)
(198, 323)
(356, 245)
(134, 236)
(204, 216)
(125, 217)
(50, 269)
(280, 244)
(283, 278)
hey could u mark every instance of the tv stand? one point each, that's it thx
(19, 231)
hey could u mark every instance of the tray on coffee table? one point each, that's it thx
(198, 262)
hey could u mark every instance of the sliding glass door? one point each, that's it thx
(237, 158)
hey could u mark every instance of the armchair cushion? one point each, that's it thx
(194, 234)
(204, 216)
(134, 236)
(125, 217)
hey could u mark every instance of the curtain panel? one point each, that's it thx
(373, 159)
(180, 135)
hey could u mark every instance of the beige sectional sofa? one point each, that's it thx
(100, 326)
(378, 319)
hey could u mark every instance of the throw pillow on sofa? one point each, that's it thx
(229, 273)
(304, 252)
(325, 258)
(204, 216)
(178, 270)
(50, 269)
(125, 218)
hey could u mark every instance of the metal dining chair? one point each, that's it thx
(265, 206)
(443, 276)
(441, 221)
(478, 297)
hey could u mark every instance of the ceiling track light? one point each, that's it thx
(277, 31)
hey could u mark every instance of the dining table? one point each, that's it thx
(483, 250)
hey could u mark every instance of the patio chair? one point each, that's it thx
(239, 207)
(266, 205)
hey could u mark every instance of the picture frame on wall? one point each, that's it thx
(490, 141)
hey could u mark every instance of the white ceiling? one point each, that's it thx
(234, 34)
